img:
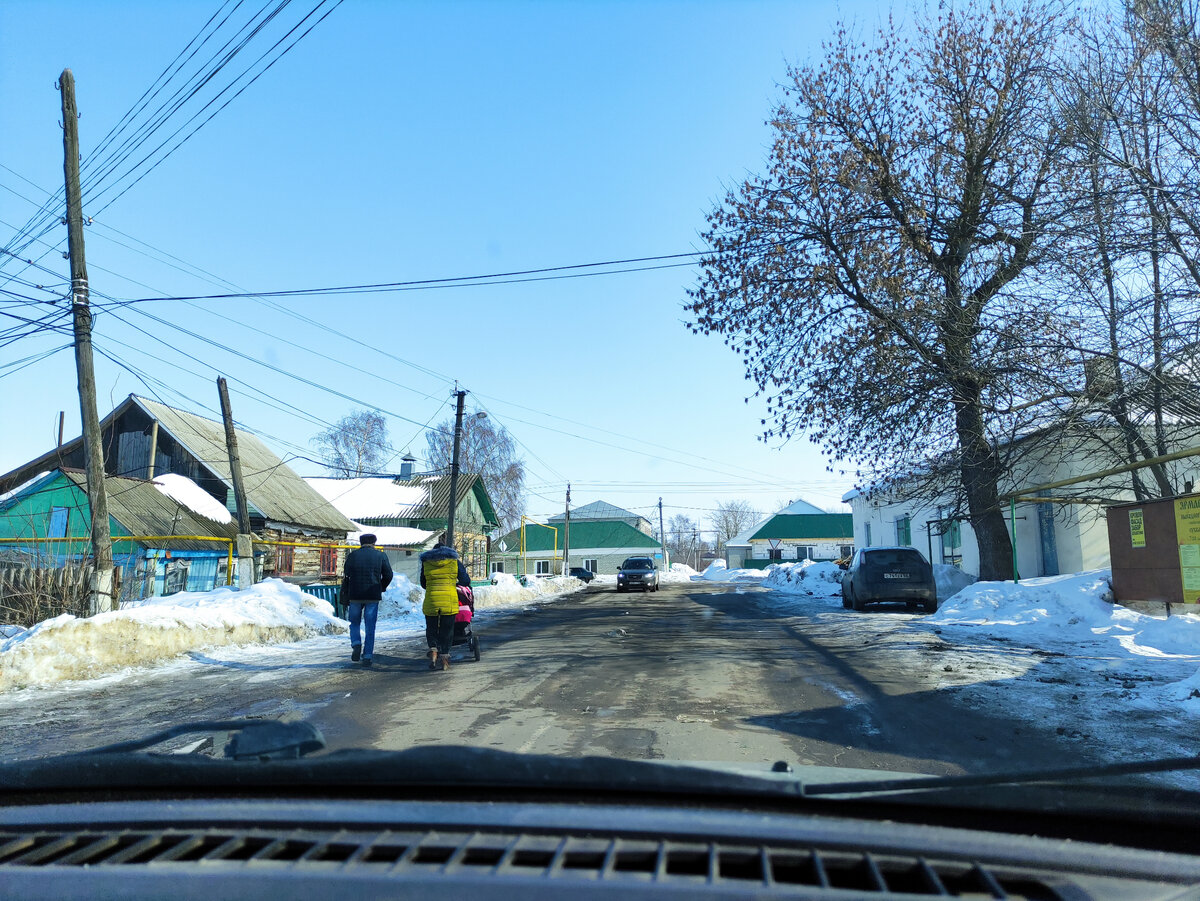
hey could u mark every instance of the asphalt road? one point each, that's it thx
(694, 672)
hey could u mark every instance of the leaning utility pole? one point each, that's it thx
(245, 540)
(101, 581)
(458, 418)
(566, 567)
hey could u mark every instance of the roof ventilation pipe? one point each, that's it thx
(406, 466)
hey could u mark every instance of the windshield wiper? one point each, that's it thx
(1028, 777)
(251, 739)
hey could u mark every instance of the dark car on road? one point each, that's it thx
(584, 574)
(638, 572)
(889, 574)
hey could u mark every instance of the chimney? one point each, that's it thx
(406, 466)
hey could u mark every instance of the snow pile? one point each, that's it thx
(67, 647)
(717, 571)
(950, 580)
(806, 577)
(1074, 613)
(679, 572)
(508, 592)
(1050, 609)
(188, 494)
(401, 598)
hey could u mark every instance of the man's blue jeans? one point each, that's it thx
(360, 611)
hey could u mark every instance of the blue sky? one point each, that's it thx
(404, 141)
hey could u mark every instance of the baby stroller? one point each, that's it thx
(463, 635)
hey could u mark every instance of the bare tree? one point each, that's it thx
(878, 278)
(681, 537)
(731, 518)
(489, 450)
(356, 445)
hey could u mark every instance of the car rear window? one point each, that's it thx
(899, 559)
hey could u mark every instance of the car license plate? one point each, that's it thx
(895, 575)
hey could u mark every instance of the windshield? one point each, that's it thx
(340, 429)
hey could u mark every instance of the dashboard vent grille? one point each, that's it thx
(539, 856)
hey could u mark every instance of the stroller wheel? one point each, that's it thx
(475, 647)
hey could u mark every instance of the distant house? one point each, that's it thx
(54, 505)
(800, 531)
(601, 537)
(408, 513)
(297, 527)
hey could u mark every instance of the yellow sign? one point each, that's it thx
(1137, 528)
(1187, 532)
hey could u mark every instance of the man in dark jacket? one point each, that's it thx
(365, 576)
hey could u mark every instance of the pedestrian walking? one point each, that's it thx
(441, 573)
(366, 574)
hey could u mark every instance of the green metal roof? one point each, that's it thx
(802, 526)
(584, 534)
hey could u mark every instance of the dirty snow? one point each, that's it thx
(1050, 653)
(950, 580)
(159, 630)
(70, 648)
(806, 577)
(184, 491)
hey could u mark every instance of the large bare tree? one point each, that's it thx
(730, 518)
(355, 445)
(488, 449)
(877, 277)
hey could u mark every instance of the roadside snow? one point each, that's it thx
(717, 571)
(950, 580)
(679, 572)
(807, 577)
(184, 491)
(67, 647)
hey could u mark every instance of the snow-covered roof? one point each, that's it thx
(371, 498)
(184, 491)
(742, 538)
(392, 536)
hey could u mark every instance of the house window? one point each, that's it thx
(592, 566)
(803, 552)
(329, 561)
(867, 534)
(845, 550)
(58, 522)
(498, 566)
(284, 557)
(904, 530)
(775, 554)
(541, 567)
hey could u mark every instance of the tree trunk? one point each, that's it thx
(980, 470)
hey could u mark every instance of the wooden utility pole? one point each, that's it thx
(662, 534)
(458, 418)
(566, 567)
(245, 540)
(101, 581)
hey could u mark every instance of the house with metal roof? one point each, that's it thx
(800, 531)
(408, 514)
(597, 544)
(143, 439)
(168, 534)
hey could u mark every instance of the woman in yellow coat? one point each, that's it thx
(441, 573)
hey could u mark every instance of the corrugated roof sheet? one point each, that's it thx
(438, 500)
(141, 509)
(786, 527)
(586, 534)
(273, 489)
(597, 510)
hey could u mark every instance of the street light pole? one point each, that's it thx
(458, 418)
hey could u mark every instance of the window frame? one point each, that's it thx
(541, 567)
(329, 553)
(285, 560)
(592, 565)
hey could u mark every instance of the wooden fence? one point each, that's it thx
(30, 594)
